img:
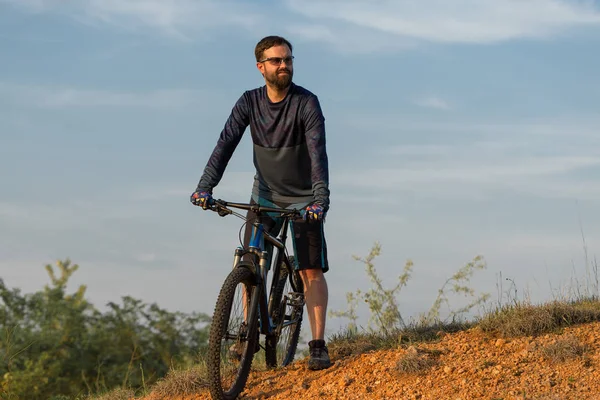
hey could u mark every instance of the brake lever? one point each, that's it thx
(220, 208)
(223, 211)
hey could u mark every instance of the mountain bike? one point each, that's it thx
(248, 305)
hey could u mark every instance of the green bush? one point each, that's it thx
(55, 344)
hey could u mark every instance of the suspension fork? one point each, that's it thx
(266, 324)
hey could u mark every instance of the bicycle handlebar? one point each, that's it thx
(222, 208)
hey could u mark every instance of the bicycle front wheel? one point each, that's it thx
(233, 338)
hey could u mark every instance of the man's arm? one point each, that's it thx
(315, 141)
(228, 140)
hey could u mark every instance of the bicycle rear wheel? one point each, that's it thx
(280, 350)
(233, 337)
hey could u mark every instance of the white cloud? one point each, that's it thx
(176, 18)
(551, 188)
(144, 257)
(61, 97)
(433, 102)
(10, 210)
(234, 186)
(348, 39)
(546, 132)
(350, 25)
(461, 21)
(33, 5)
(63, 216)
(475, 171)
(478, 161)
(417, 150)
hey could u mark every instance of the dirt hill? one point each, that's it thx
(465, 365)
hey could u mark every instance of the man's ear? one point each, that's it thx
(261, 68)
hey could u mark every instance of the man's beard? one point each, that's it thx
(280, 81)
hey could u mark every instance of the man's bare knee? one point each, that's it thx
(311, 275)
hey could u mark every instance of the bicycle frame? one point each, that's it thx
(257, 247)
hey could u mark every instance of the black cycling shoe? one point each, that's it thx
(319, 355)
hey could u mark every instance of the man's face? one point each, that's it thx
(277, 74)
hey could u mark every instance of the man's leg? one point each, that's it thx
(316, 296)
(311, 251)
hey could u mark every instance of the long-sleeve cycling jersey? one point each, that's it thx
(289, 146)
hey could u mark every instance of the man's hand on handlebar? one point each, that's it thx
(202, 199)
(314, 212)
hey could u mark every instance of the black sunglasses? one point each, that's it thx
(278, 60)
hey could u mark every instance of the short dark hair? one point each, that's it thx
(268, 42)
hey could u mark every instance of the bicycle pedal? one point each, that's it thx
(296, 299)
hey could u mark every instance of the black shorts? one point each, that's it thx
(308, 237)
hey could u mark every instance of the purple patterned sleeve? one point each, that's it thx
(228, 140)
(315, 140)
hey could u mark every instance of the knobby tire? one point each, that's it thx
(239, 275)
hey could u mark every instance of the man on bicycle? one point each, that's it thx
(288, 133)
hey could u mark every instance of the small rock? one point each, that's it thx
(500, 342)
(448, 370)
(346, 381)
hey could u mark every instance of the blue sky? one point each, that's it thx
(454, 129)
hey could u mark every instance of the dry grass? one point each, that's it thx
(421, 332)
(181, 382)
(517, 320)
(415, 361)
(531, 320)
(564, 349)
(116, 394)
(351, 342)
